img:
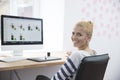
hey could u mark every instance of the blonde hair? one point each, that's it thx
(87, 27)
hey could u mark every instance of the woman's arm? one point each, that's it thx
(69, 68)
(65, 71)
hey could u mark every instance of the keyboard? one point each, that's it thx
(12, 59)
(43, 59)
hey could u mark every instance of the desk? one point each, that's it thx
(32, 64)
(28, 64)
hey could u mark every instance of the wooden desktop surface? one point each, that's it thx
(29, 64)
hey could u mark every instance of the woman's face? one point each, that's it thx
(79, 38)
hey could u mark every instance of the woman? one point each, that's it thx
(81, 37)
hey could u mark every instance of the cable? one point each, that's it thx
(11, 75)
(18, 77)
(0, 75)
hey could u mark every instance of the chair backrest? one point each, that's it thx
(92, 68)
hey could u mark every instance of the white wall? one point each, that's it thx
(52, 12)
(106, 36)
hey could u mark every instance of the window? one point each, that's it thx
(22, 8)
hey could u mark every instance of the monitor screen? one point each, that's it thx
(21, 31)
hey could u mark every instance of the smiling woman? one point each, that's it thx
(81, 36)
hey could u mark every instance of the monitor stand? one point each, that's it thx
(17, 53)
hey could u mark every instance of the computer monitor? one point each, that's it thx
(21, 33)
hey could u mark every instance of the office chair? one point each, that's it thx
(42, 77)
(92, 68)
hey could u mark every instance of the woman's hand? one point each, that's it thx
(68, 54)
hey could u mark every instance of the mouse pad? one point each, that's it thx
(42, 59)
